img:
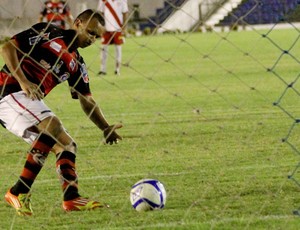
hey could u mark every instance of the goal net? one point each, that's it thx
(207, 93)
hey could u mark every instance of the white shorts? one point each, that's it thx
(18, 113)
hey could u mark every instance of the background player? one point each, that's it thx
(115, 14)
(56, 12)
(37, 60)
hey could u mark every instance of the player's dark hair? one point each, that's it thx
(89, 14)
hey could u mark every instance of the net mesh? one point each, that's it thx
(205, 111)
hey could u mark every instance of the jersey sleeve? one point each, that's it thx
(79, 82)
(26, 39)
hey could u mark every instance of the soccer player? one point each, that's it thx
(37, 60)
(115, 14)
(56, 12)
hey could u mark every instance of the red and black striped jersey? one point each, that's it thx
(48, 56)
(56, 12)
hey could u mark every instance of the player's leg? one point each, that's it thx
(118, 54)
(19, 193)
(118, 41)
(104, 54)
(18, 113)
(65, 150)
(36, 157)
(106, 39)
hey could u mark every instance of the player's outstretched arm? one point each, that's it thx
(93, 111)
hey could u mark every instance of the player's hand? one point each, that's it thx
(32, 91)
(111, 135)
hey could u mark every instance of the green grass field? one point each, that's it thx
(198, 115)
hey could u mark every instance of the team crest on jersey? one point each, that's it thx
(72, 64)
(64, 77)
(36, 39)
(84, 73)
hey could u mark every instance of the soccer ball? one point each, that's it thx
(148, 194)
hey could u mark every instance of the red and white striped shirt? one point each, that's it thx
(113, 13)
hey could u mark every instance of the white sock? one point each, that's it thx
(104, 58)
(118, 57)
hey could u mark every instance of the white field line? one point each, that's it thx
(116, 176)
(101, 177)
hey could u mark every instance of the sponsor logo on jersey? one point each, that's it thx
(45, 64)
(84, 73)
(58, 66)
(55, 46)
(36, 39)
